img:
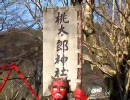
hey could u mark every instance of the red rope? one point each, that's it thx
(5, 80)
(25, 81)
(7, 67)
(15, 67)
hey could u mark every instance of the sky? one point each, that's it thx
(23, 13)
(17, 15)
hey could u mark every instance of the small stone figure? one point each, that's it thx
(59, 89)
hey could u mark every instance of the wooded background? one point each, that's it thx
(106, 29)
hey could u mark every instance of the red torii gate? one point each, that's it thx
(12, 67)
